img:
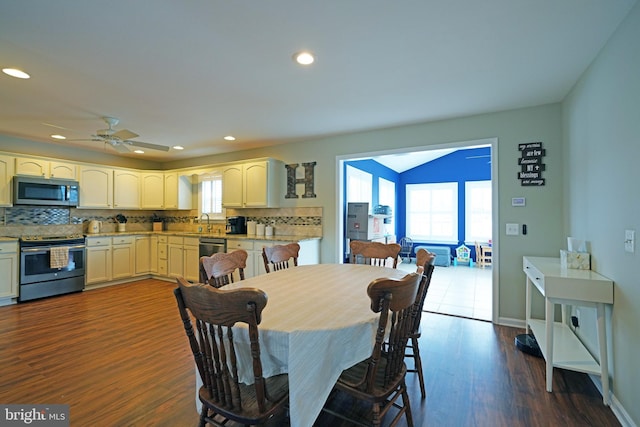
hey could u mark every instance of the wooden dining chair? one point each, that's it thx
(483, 255)
(224, 398)
(220, 268)
(374, 253)
(277, 257)
(425, 266)
(379, 380)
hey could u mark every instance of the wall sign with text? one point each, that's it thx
(531, 166)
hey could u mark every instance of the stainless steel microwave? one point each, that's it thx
(29, 190)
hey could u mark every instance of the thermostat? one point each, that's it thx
(518, 201)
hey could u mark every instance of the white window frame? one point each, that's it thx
(359, 186)
(478, 211)
(212, 205)
(436, 206)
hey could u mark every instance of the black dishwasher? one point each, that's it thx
(212, 245)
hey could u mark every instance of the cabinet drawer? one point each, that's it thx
(176, 240)
(247, 245)
(8, 247)
(124, 240)
(534, 274)
(162, 267)
(191, 241)
(162, 239)
(162, 251)
(106, 241)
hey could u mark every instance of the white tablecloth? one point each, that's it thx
(317, 323)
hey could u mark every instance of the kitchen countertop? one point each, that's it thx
(8, 239)
(276, 238)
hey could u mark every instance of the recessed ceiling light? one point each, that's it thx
(304, 58)
(58, 137)
(138, 151)
(178, 147)
(230, 138)
(14, 72)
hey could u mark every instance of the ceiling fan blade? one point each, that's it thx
(148, 145)
(124, 134)
(120, 148)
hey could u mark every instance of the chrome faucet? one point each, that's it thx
(208, 222)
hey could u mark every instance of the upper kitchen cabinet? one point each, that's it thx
(126, 189)
(178, 192)
(45, 168)
(256, 184)
(152, 190)
(96, 187)
(6, 174)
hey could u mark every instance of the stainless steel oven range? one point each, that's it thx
(51, 265)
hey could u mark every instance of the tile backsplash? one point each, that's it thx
(52, 221)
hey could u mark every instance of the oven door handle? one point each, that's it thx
(45, 248)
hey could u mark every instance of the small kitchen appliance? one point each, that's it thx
(236, 225)
(94, 227)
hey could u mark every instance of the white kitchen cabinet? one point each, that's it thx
(152, 194)
(256, 184)
(96, 187)
(126, 189)
(8, 270)
(178, 191)
(182, 258)
(45, 169)
(252, 255)
(191, 259)
(153, 254)
(98, 260)
(123, 257)
(163, 256)
(143, 255)
(6, 174)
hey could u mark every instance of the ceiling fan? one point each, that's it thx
(121, 140)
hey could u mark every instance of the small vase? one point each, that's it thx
(122, 226)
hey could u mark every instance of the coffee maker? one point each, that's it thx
(236, 225)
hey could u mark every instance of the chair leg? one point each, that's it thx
(407, 405)
(376, 415)
(418, 364)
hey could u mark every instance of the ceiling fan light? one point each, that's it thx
(178, 147)
(229, 138)
(138, 151)
(55, 136)
(14, 72)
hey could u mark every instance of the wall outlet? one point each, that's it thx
(513, 229)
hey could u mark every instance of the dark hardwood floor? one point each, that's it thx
(118, 356)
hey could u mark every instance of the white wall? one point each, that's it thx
(602, 151)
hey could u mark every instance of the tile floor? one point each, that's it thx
(458, 290)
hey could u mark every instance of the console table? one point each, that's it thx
(560, 347)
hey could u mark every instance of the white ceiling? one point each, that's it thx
(190, 72)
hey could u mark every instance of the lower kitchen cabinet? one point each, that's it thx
(309, 253)
(182, 258)
(163, 255)
(123, 257)
(143, 255)
(98, 268)
(8, 270)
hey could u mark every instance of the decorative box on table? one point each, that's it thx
(575, 260)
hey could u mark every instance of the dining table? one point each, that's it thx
(317, 322)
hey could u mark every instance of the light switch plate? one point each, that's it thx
(513, 229)
(629, 241)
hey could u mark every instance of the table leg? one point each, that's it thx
(549, 321)
(604, 361)
(527, 318)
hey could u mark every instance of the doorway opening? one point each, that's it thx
(470, 274)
